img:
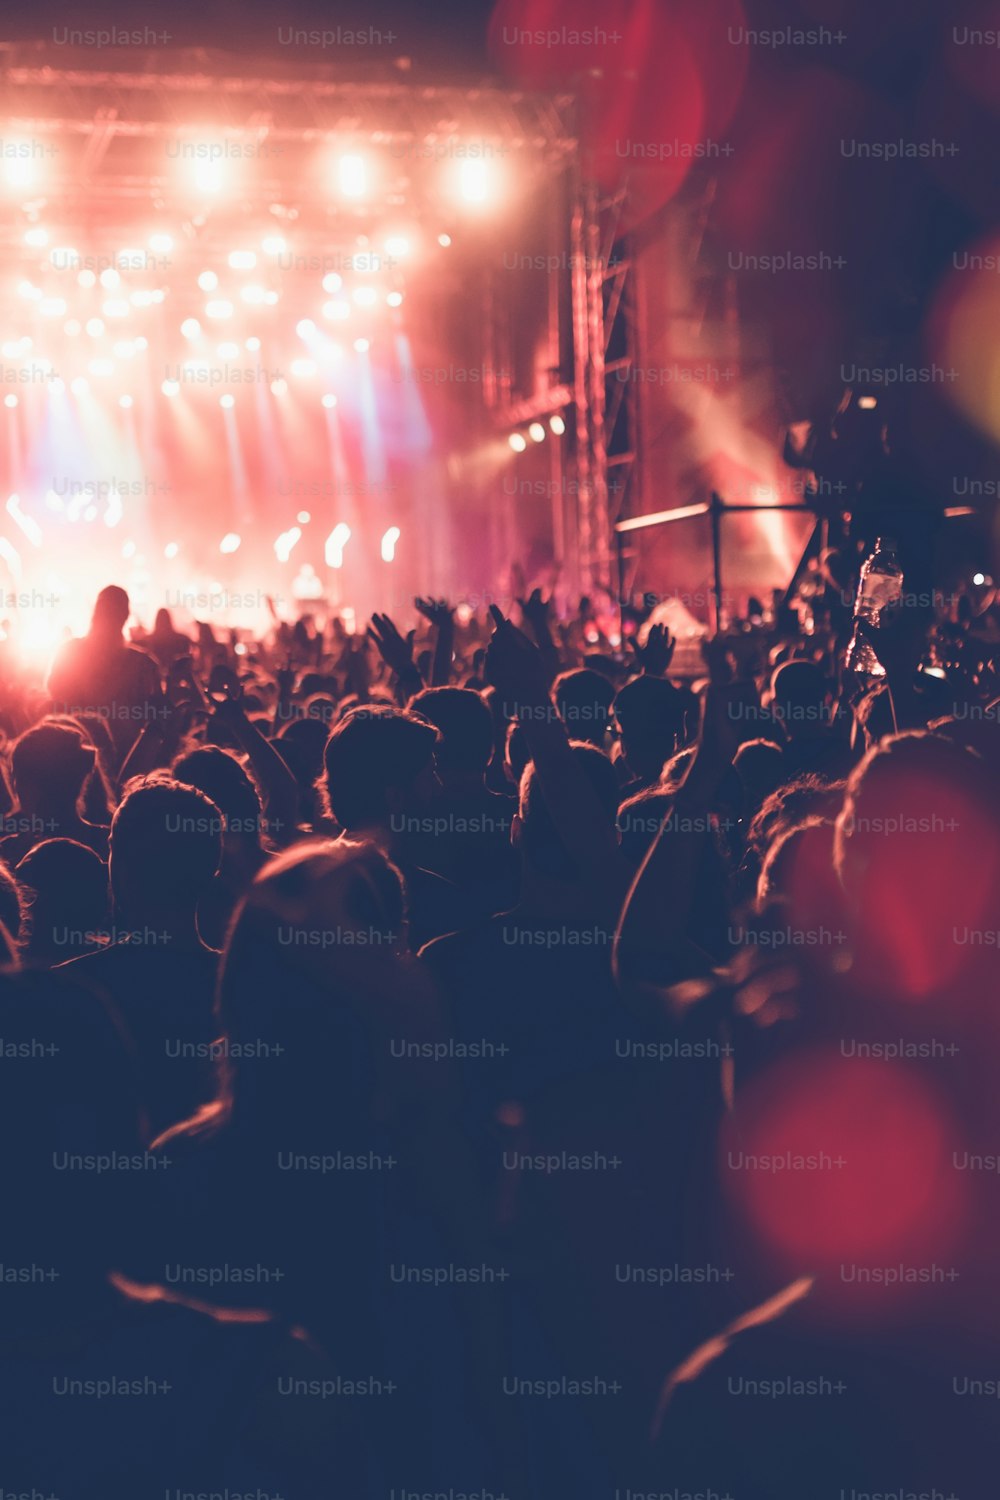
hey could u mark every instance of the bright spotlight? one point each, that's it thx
(125, 402)
(473, 180)
(56, 386)
(303, 518)
(329, 400)
(351, 176)
(536, 432)
(101, 367)
(395, 299)
(337, 311)
(444, 240)
(254, 294)
(141, 298)
(208, 281)
(397, 245)
(227, 402)
(279, 386)
(86, 278)
(389, 544)
(557, 425)
(517, 442)
(95, 327)
(230, 542)
(170, 387)
(10, 401)
(361, 346)
(364, 296)
(208, 176)
(19, 171)
(273, 244)
(109, 279)
(219, 309)
(979, 579)
(72, 327)
(37, 238)
(335, 544)
(124, 349)
(161, 244)
(305, 328)
(191, 328)
(52, 307)
(303, 367)
(171, 549)
(29, 291)
(80, 387)
(242, 260)
(116, 307)
(253, 344)
(332, 282)
(228, 351)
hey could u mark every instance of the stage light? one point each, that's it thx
(979, 579)
(208, 176)
(352, 176)
(444, 240)
(303, 517)
(230, 542)
(191, 328)
(285, 542)
(536, 432)
(305, 328)
(228, 351)
(270, 298)
(101, 367)
(273, 244)
(19, 171)
(361, 346)
(171, 549)
(219, 309)
(329, 400)
(157, 294)
(303, 367)
(867, 403)
(397, 246)
(337, 311)
(253, 344)
(124, 349)
(11, 349)
(253, 294)
(86, 279)
(37, 238)
(110, 279)
(56, 386)
(227, 402)
(125, 402)
(128, 550)
(335, 544)
(395, 299)
(141, 298)
(389, 544)
(332, 282)
(364, 296)
(170, 387)
(80, 387)
(557, 425)
(116, 307)
(24, 343)
(208, 281)
(10, 401)
(29, 291)
(161, 244)
(517, 442)
(72, 326)
(141, 342)
(242, 260)
(95, 327)
(279, 386)
(473, 181)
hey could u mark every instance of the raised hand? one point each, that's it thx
(537, 613)
(658, 652)
(395, 650)
(437, 611)
(514, 665)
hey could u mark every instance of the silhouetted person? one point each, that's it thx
(69, 909)
(584, 699)
(225, 782)
(654, 717)
(51, 764)
(165, 849)
(98, 673)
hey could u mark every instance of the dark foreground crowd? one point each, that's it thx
(464, 1062)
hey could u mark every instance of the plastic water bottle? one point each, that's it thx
(880, 587)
